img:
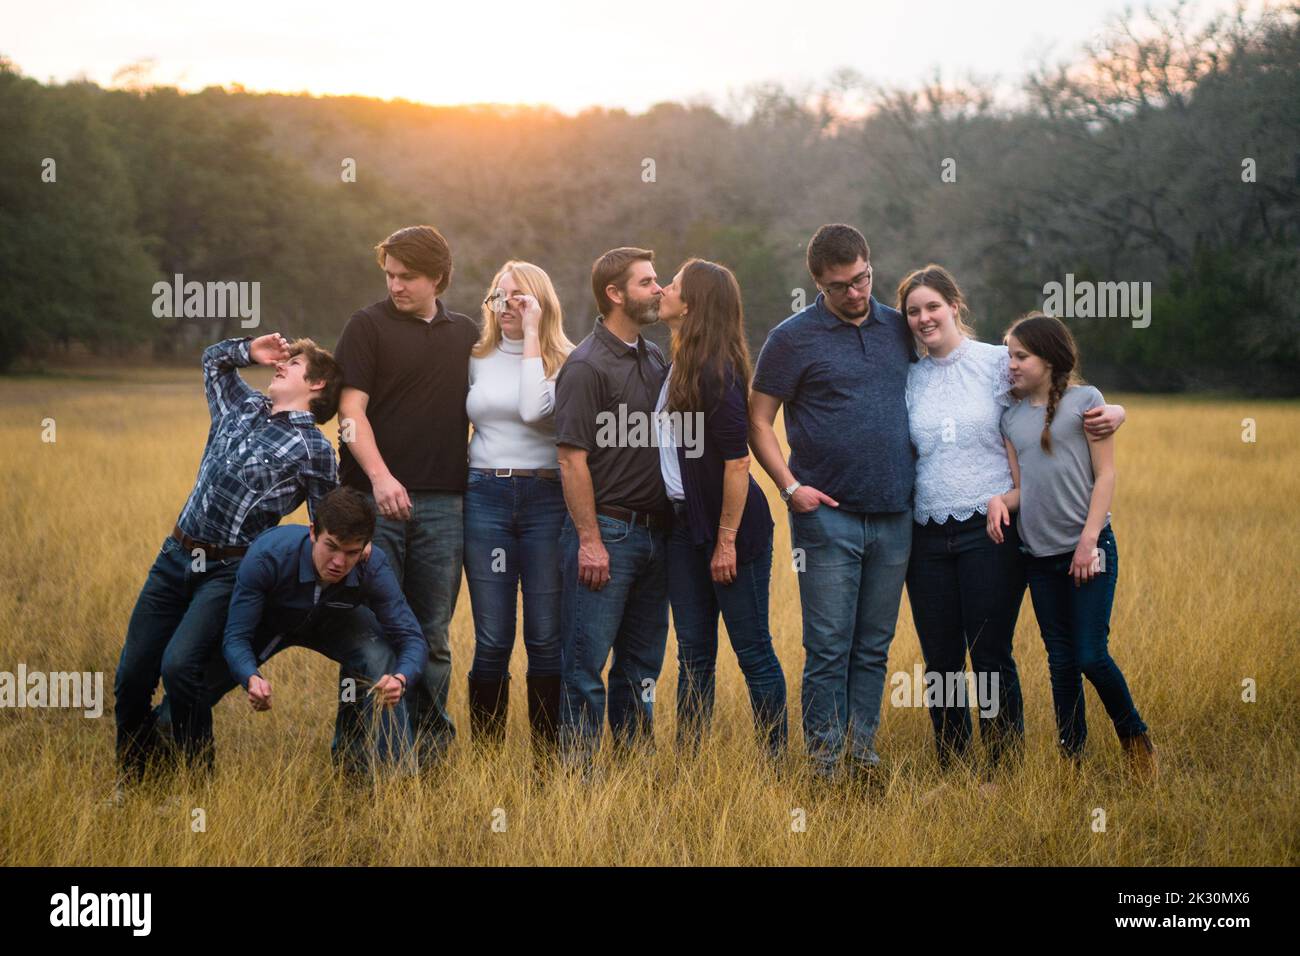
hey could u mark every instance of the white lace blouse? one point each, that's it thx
(954, 405)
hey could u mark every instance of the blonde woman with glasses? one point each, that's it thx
(514, 504)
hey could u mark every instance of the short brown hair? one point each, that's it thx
(421, 249)
(345, 513)
(611, 269)
(321, 367)
(836, 244)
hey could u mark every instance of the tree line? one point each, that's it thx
(1166, 152)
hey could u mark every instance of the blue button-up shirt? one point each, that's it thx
(275, 590)
(257, 467)
(844, 388)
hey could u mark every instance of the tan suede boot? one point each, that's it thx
(1142, 756)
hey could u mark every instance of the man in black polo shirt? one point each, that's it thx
(403, 438)
(614, 540)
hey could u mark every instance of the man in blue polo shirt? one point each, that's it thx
(323, 587)
(840, 369)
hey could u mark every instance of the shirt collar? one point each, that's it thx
(295, 416)
(306, 570)
(393, 312)
(830, 320)
(301, 419)
(614, 343)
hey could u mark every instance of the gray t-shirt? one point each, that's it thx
(1055, 489)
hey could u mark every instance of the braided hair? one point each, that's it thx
(1047, 337)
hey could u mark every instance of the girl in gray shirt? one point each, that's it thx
(1063, 489)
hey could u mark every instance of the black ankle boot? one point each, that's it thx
(488, 701)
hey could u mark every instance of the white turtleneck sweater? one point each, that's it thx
(511, 404)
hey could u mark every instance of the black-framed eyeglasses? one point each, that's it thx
(859, 282)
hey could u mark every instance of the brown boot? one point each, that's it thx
(1142, 756)
(488, 702)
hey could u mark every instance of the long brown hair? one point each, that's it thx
(711, 338)
(1047, 337)
(936, 277)
(550, 329)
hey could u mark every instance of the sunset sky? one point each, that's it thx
(567, 54)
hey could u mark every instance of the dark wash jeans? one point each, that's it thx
(354, 639)
(174, 631)
(696, 602)
(628, 617)
(512, 539)
(425, 552)
(1075, 624)
(965, 591)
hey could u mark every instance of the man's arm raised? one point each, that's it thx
(222, 383)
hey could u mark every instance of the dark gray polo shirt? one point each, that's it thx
(844, 391)
(604, 389)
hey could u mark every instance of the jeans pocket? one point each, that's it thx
(612, 530)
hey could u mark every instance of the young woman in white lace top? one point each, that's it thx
(965, 591)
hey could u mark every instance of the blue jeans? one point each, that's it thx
(850, 588)
(696, 602)
(354, 639)
(175, 629)
(512, 538)
(628, 616)
(1075, 623)
(425, 552)
(965, 592)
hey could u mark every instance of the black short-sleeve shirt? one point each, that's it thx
(605, 397)
(417, 376)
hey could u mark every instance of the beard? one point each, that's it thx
(643, 311)
(855, 312)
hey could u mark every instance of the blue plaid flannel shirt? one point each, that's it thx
(256, 467)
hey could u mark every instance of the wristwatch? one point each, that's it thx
(787, 492)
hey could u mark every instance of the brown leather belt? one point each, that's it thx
(520, 472)
(212, 552)
(653, 520)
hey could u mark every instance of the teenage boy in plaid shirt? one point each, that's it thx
(264, 456)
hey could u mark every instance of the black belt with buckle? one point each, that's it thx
(520, 472)
(652, 520)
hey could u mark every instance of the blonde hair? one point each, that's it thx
(550, 329)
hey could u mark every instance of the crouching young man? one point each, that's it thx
(325, 588)
(264, 456)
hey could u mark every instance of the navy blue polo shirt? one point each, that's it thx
(843, 387)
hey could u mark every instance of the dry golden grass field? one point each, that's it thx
(1207, 526)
